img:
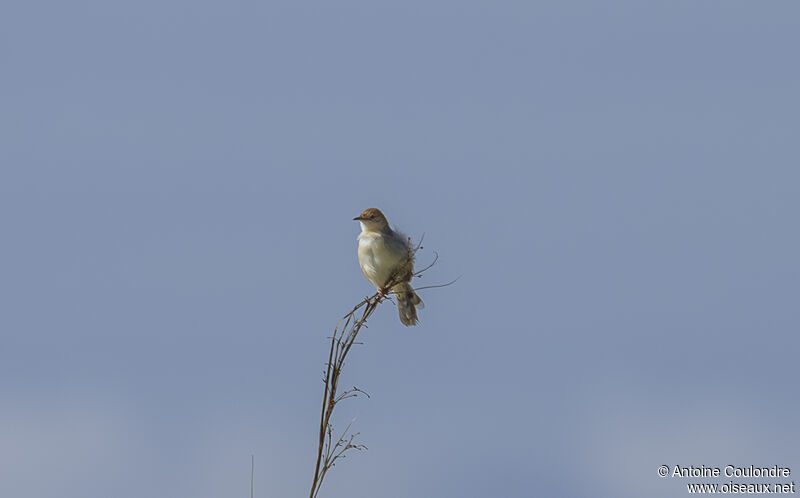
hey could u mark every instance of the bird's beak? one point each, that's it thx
(358, 218)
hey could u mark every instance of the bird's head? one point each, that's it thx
(372, 220)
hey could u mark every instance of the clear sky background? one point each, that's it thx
(616, 181)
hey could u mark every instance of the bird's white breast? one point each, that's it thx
(376, 258)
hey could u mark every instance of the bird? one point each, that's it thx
(387, 260)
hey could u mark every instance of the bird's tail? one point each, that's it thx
(407, 302)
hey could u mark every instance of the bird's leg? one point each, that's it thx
(382, 292)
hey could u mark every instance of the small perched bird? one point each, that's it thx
(387, 260)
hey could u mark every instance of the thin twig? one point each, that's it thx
(343, 338)
(440, 285)
(435, 259)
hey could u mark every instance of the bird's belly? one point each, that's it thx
(376, 260)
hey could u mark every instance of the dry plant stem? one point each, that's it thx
(344, 336)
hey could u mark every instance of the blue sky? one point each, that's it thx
(617, 183)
